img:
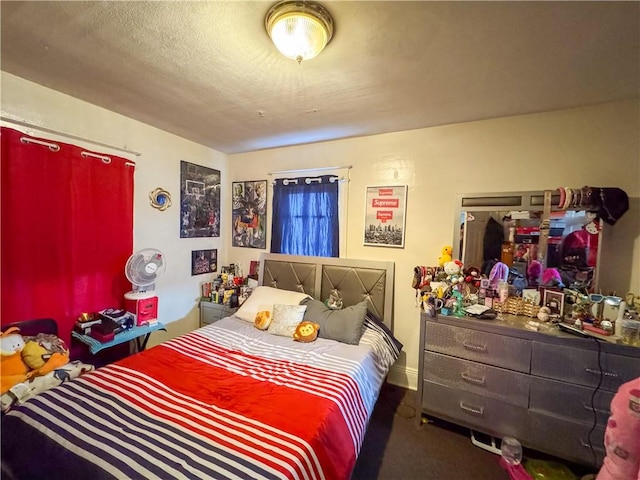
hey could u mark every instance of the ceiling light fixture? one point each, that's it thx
(299, 29)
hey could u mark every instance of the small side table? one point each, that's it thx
(139, 334)
(212, 312)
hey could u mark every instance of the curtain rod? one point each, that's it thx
(303, 170)
(22, 123)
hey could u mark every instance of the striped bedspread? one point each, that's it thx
(224, 401)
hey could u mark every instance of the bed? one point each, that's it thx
(226, 400)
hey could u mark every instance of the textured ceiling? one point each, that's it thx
(207, 71)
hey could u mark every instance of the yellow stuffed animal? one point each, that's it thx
(306, 332)
(13, 370)
(263, 320)
(21, 361)
(446, 255)
(44, 353)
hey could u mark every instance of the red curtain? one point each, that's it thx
(67, 231)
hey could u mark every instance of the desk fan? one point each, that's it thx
(143, 269)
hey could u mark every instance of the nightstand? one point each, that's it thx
(139, 333)
(212, 312)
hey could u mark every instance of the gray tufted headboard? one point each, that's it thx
(355, 280)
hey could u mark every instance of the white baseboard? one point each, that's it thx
(403, 377)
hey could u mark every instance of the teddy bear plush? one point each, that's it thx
(306, 332)
(472, 277)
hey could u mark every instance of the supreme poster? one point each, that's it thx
(385, 213)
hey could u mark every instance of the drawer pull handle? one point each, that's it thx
(475, 348)
(474, 410)
(586, 445)
(475, 380)
(597, 372)
(597, 410)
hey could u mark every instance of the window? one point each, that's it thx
(305, 218)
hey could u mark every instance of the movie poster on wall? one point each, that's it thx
(199, 201)
(385, 214)
(249, 214)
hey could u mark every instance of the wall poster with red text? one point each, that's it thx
(385, 214)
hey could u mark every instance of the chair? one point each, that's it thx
(30, 328)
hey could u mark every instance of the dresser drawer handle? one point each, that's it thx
(475, 348)
(474, 410)
(597, 410)
(597, 372)
(475, 380)
(586, 445)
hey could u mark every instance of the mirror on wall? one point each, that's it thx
(505, 227)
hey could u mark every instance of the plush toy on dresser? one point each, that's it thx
(453, 270)
(446, 255)
(472, 277)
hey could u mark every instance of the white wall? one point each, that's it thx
(596, 146)
(158, 166)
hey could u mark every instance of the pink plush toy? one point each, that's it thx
(533, 272)
(622, 436)
(551, 278)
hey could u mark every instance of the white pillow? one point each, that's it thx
(263, 298)
(285, 319)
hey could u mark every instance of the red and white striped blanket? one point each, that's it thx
(224, 401)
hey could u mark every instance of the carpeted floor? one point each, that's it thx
(396, 448)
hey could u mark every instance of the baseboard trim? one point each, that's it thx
(403, 377)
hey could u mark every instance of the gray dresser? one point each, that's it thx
(501, 379)
(212, 312)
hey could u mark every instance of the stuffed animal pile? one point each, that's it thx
(23, 358)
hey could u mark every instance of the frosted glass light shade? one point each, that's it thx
(299, 30)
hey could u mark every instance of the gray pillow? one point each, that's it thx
(346, 325)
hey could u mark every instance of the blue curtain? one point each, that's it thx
(305, 216)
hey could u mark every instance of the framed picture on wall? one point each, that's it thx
(204, 261)
(385, 215)
(249, 214)
(199, 201)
